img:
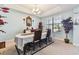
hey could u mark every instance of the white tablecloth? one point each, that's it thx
(20, 39)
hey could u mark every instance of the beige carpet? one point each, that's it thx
(57, 48)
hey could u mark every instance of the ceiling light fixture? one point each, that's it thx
(36, 10)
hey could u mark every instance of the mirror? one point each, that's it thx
(28, 21)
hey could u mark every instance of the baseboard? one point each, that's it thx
(57, 38)
(75, 44)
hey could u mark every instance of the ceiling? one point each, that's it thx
(46, 9)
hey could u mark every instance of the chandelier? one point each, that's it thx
(36, 10)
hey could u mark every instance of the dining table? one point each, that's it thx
(24, 38)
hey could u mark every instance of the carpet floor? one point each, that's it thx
(56, 48)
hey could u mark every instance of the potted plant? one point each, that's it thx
(68, 25)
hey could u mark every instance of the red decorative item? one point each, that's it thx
(5, 11)
(1, 22)
(5, 8)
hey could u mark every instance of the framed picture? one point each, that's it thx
(28, 21)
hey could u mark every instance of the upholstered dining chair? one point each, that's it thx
(36, 40)
(46, 40)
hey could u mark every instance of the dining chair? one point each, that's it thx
(36, 40)
(47, 39)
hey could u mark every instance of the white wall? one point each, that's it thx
(76, 35)
(15, 24)
(76, 27)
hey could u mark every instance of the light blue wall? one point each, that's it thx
(15, 24)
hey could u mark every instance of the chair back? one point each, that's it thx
(37, 35)
(48, 32)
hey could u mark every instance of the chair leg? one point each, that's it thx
(17, 50)
(34, 46)
(24, 50)
(46, 41)
(40, 43)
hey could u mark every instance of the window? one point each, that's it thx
(57, 25)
